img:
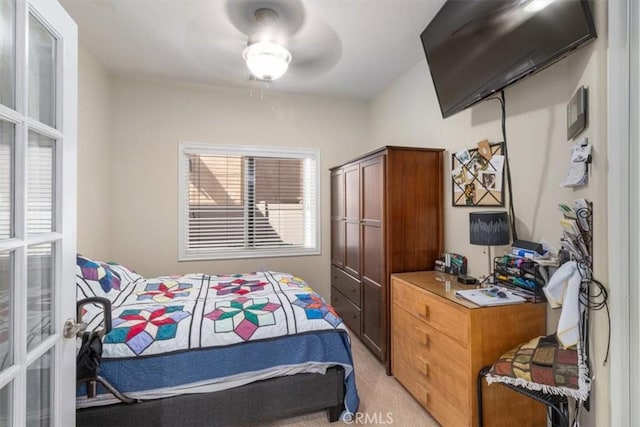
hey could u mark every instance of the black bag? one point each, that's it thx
(89, 357)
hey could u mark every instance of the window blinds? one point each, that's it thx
(239, 202)
(40, 183)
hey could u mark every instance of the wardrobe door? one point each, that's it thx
(338, 220)
(352, 219)
(373, 258)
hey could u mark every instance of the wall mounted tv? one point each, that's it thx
(475, 48)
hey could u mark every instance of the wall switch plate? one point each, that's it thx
(577, 113)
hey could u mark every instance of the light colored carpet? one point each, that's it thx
(383, 401)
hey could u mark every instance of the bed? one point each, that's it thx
(201, 349)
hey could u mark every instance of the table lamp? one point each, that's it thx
(489, 229)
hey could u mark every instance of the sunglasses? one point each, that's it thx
(496, 292)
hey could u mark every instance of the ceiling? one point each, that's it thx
(349, 48)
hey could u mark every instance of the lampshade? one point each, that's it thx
(266, 60)
(489, 228)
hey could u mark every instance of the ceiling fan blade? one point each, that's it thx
(316, 49)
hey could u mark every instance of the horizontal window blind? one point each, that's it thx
(249, 205)
(216, 202)
(40, 183)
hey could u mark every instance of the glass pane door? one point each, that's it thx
(38, 122)
(40, 183)
(39, 392)
(42, 73)
(6, 311)
(40, 293)
(7, 52)
(7, 162)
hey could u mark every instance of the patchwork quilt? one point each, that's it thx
(176, 313)
(173, 332)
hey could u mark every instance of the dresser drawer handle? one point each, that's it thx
(353, 290)
(425, 365)
(425, 313)
(425, 395)
(353, 316)
(422, 334)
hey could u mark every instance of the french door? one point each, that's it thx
(38, 132)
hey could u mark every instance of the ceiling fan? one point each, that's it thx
(266, 57)
(282, 36)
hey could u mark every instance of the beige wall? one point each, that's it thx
(150, 118)
(95, 144)
(407, 113)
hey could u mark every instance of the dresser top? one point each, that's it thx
(442, 284)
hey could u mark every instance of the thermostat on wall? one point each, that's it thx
(577, 113)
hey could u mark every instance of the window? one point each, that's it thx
(243, 202)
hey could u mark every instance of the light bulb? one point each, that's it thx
(267, 60)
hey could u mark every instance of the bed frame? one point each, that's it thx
(250, 404)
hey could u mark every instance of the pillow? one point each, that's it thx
(127, 275)
(95, 278)
(543, 364)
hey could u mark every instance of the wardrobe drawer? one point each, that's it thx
(446, 317)
(348, 285)
(347, 310)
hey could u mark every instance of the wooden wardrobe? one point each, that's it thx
(386, 217)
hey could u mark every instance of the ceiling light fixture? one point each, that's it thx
(266, 60)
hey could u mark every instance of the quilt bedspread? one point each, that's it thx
(177, 313)
(198, 333)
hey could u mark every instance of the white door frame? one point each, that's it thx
(63, 237)
(624, 217)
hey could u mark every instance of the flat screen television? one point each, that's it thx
(475, 48)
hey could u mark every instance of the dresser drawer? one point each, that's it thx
(429, 340)
(434, 368)
(347, 310)
(438, 404)
(349, 286)
(433, 311)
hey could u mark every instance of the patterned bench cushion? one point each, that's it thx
(543, 365)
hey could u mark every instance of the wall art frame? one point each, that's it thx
(477, 176)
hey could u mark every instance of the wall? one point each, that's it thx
(407, 113)
(94, 157)
(150, 118)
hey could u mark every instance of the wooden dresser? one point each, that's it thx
(439, 343)
(386, 217)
